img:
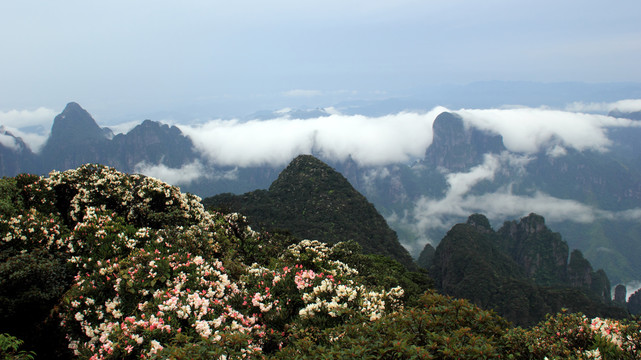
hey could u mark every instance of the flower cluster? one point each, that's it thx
(576, 336)
(31, 229)
(138, 198)
(150, 269)
(156, 276)
(608, 330)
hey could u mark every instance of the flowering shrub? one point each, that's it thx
(439, 328)
(574, 336)
(157, 274)
(132, 268)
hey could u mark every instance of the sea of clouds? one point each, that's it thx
(381, 141)
(370, 141)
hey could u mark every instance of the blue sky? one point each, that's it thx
(129, 59)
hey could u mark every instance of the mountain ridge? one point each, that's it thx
(605, 185)
(314, 201)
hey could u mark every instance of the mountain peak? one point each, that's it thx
(75, 125)
(458, 147)
(304, 171)
(314, 201)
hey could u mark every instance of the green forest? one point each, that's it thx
(99, 264)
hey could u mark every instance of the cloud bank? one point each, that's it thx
(369, 141)
(627, 105)
(459, 201)
(375, 141)
(530, 130)
(184, 175)
(8, 141)
(33, 126)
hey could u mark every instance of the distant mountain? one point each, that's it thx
(76, 139)
(593, 197)
(606, 184)
(456, 148)
(521, 271)
(314, 201)
(15, 155)
(150, 143)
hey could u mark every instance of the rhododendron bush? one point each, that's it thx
(151, 270)
(126, 266)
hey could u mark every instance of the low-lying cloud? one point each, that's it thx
(395, 138)
(530, 130)
(628, 105)
(369, 141)
(26, 118)
(459, 201)
(184, 175)
(33, 126)
(8, 141)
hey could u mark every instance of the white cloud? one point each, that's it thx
(33, 126)
(631, 287)
(8, 141)
(26, 118)
(123, 128)
(628, 105)
(503, 204)
(369, 141)
(530, 130)
(184, 175)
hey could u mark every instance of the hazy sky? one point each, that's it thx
(134, 58)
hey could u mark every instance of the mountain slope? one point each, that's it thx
(521, 271)
(313, 201)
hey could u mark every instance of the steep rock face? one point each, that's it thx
(468, 263)
(456, 147)
(634, 303)
(313, 201)
(620, 294)
(523, 282)
(152, 143)
(579, 271)
(15, 155)
(75, 139)
(426, 258)
(542, 253)
(75, 126)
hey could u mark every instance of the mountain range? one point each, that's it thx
(588, 196)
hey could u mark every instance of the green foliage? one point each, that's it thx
(313, 201)
(9, 346)
(574, 336)
(520, 271)
(30, 284)
(439, 327)
(8, 197)
(117, 266)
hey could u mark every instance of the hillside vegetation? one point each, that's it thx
(314, 201)
(99, 264)
(521, 271)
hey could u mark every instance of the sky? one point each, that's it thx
(131, 60)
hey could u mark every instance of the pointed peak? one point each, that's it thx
(480, 222)
(75, 125)
(307, 171)
(72, 106)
